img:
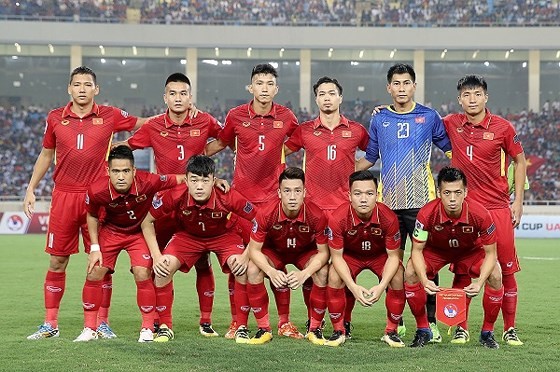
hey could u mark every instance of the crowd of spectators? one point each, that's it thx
(23, 128)
(413, 13)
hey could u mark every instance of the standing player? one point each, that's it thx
(330, 143)
(257, 131)
(175, 137)
(202, 216)
(401, 136)
(289, 231)
(125, 196)
(79, 134)
(453, 230)
(480, 142)
(365, 235)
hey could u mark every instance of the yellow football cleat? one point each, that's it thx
(510, 337)
(164, 334)
(336, 339)
(316, 336)
(261, 337)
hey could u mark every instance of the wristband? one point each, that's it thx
(94, 248)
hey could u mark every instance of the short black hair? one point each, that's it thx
(471, 82)
(201, 165)
(450, 174)
(83, 70)
(401, 68)
(178, 77)
(292, 173)
(121, 152)
(264, 68)
(363, 175)
(326, 79)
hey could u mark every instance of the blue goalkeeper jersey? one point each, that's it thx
(403, 142)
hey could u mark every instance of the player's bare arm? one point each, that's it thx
(389, 271)
(94, 256)
(363, 164)
(277, 277)
(214, 147)
(420, 267)
(341, 267)
(44, 161)
(161, 262)
(488, 265)
(296, 278)
(520, 172)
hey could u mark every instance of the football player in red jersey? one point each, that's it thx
(479, 140)
(125, 196)
(77, 137)
(458, 231)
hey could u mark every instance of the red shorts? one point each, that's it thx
(112, 243)
(505, 241)
(188, 248)
(165, 228)
(279, 261)
(357, 265)
(468, 264)
(67, 217)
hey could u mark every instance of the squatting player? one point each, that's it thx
(257, 131)
(365, 235)
(79, 134)
(201, 211)
(286, 231)
(454, 230)
(125, 196)
(401, 136)
(480, 140)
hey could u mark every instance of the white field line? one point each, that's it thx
(541, 258)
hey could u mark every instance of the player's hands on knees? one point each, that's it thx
(29, 204)
(93, 259)
(363, 296)
(431, 288)
(377, 109)
(222, 184)
(278, 278)
(161, 266)
(473, 289)
(296, 279)
(239, 264)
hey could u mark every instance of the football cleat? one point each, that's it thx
(207, 331)
(401, 330)
(261, 337)
(164, 334)
(392, 339)
(460, 336)
(230, 334)
(422, 337)
(45, 331)
(487, 340)
(316, 337)
(308, 324)
(510, 337)
(288, 329)
(348, 327)
(87, 334)
(104, 331)
(336, 339)
(436, 336)
(242, 335)
(146, 335)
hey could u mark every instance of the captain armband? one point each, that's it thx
(420, 235)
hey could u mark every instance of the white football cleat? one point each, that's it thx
(146, 335)
(87, 334)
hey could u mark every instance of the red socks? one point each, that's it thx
(336, 300)
(53, 288)
(317, 306)
(242, 306)
(146, 299)
(231, 290)
(282, 298)
(258, 299)
(509, 304)
(205, 287)
(491, 303)
(394, 302)
(107, 290)
(416, 297)
(91, 300)
(164, 303)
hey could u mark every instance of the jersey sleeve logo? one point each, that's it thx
(329, 233)
(491, 229)
(516, 139)
(97, 121)
(419, 225)
(397, 236)
(157, 201)
(124, 114)
(163, 177)
(277, 124)
(255, 226)
(248, 208)
(488, 136)
(87, 198)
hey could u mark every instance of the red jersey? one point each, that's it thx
(479, 151)
(125, 212)
(451, 237)
(82, 144)
(364, 239)
(259, 143)
(206, 220)
(290, 236)
(329, 158)
(174, 144)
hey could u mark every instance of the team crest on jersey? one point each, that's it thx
(346, 133)
(217, 214)
(157, 201)
(459, 130)
(64, 122)
(141, 198)
(317, 133)
(246, 124)
(97, 121)
(438, 227)
(277, 227)
(488, 136)
(163, 133)
(277, 124)
(187, 212)
(163, 177)
(124, 114)
(195, 132)
(248, 208)
(87, 198)
(468, 229)
(304, 228)
(420, 119)
(376, 231)
(352, 232)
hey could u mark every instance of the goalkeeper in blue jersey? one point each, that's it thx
(401, 136)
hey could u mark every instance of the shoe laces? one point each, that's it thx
(460, 333)
(336, 335)
(511, 334)
(318, 332)
(261, 332)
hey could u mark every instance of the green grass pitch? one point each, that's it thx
(24, 265)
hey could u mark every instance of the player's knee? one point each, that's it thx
(410, 276)
(495, 278)
(397, 282)
(97, 274)
(320, 278)
(58, 263)
(161, 281)
(254, 274)
(334, 280)
(141, 273)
